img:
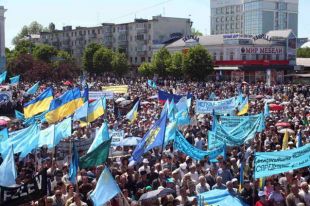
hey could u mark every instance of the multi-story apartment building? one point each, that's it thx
(2, 39)
(226, 16)
(253, 16)
(136, 39)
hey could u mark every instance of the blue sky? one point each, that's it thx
(94, 12)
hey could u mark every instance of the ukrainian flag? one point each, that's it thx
(64, 106)
(244, 107)
(133, 113)
(95, 110)
(39, 104)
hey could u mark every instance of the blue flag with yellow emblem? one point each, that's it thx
(153, 138)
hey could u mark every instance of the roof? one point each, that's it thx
(280, 33)
(306, 45)
(303, 62)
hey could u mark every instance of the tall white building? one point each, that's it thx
(2, 38)
(253, 17)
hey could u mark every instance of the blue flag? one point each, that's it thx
(165, 109)
(33, 89)
(153, 138)
(172, 110)
(171, 130)
(74, 165)
(4, 134)
(299, 139)
(101, 195)
(266, 110)
(183, 117)
(241, 174)
(101, 136)
(86, 93)
(151, 84)
(19, 115)
(182, 104)
(81, 113)
(133, 113)
(47, 137)
(63, 130)
(3, 77)
(7, 170)
(15, 80)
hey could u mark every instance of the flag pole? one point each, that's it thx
(163, 144)
(124, 199)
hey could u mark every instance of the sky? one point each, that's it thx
(95, 12)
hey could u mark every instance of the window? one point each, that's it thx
(98, 31)
(231, 56)
(88, 32)
(142, 59)
(149, 59)
(277, 57)
(136, 59)
(130, 59)
(214, 56)
(221, 56)
(243, 57)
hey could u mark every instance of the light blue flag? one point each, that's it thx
(15, 80)
(299, 139)
(182, 145)
(182, 104)
(183, 117)
(272, 163)
(172, 110)
(266, 110)
(171, 130)
(220, 198)
(63, 130)
(74, 165)
(165, 108)
(3, 77)
(22, 140)
(8, 172)
(19, 115)
(33, 89)
(4, 134)
(212, 96)
(154, 137)
(151, 84)
(132, 114)
(81, 113)
(33, 119)
(101, 195)
(101, 136)
(47, 137)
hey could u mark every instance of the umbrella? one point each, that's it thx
(5, 118)
(67, 83)
(269, 100)
(145, 102)
(131, 141)
(156, 194)
(3, 122)
(120, 100)
(124, 103)
(283, 124)
(285, 103)
(282, 131)
(275, 107)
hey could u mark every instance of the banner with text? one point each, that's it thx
(99, 94)
(35, 189)
(271, 163)
(117, 137)
(120, 89)
(225, 106)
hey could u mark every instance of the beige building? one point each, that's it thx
(2, 38)
(136, 39)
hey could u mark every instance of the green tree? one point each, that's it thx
(146, 69)
(176, 67)
(196, 32)
(88, 56)
(51, 27)
(198, 63)
(303, 52)
(161, 61)
(33, 28)
(119, 63)
(24, 47)
(44, 52)
(102, 60)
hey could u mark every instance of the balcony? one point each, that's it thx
(123, 42)
(141, 30)
(92, 36)
(141, 53)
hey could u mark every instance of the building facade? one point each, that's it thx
(2, 38)
(136, 39)
(247, 57)
(253, 16)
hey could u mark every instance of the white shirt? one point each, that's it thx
(306, 196)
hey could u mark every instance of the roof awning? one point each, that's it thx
(226, 68)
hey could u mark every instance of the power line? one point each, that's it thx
(143, 9)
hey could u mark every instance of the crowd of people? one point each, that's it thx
(186, 177)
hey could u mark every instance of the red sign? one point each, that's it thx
(262, 50)
(251, 62)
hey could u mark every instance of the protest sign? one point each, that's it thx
(117, 137)
(225, 106)
(35, 189)
(120, 89)
(81, 145)
(99, 94)
(271, 163)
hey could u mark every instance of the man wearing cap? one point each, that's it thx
(247, 193)
(304, 193)
(262, 200)
(145, 166)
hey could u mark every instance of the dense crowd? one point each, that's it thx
(169, 168)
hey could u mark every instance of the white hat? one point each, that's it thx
(145, 161)
(183, 166)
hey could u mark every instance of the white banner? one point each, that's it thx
(98, 94)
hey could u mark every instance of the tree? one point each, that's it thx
(196, 32)
(33, 28)
(51, 27)
(102, 60)
(88, 56)
(198, 63)
(119, 63)
(303, 52)
(44, 52)
(161, 61)
(176, 67)
(146, 69)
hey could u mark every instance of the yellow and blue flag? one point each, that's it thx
(64, 106)
(39, 104)
(95, 109)
(154, 137)
(244, 107)
(15, 80)
(133, 113)
(285, 140)
(33, 89)
(3, 77)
